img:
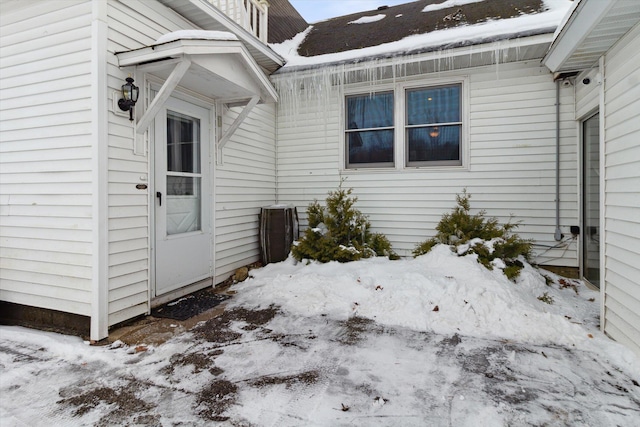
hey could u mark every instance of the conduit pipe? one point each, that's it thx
(558, 234)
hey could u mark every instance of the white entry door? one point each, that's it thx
(183, 237)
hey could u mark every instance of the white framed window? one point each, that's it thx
(433, 126)
(369, 130)
(409, 125)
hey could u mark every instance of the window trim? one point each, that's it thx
(400, 150)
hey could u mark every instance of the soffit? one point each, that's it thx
(594, 27)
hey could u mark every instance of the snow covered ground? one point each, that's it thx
(434, 341)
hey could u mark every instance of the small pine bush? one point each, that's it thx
(483, 236)
(340, 232)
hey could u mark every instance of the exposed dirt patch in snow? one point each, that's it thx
(309, 377)
(199, 361)
(220, 329)
(122, 402)
(355, 328)
(214, 400)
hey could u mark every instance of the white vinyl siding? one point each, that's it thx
(244, 182)
(45, 156)
(510, 168)
(587, 95)
(622, 191)
(132, 24)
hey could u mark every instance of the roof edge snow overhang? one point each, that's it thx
(208, 17)
(591, 28)
(530, 45)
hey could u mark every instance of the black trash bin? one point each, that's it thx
(278, 230)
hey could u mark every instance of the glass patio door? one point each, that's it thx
(591, 200)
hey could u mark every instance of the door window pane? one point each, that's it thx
(183, 143)
(184, 198)
(183, 210)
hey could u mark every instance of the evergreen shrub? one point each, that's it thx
(340, 232)
(486, 237)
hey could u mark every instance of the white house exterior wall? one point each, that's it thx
(244, 176)
(509, 162)
(587, 95)
(46, 179)
(132, 24)
(622, 190)
(245, 181)
(75, 230)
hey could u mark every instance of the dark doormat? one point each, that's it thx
(189, 306)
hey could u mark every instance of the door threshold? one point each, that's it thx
(186, 290)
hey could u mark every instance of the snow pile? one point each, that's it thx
(369, 19)
(439, 292)
(448, 3)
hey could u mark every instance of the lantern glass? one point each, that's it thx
(128, 90)
(135, 91)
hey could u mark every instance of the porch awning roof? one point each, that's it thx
(219, 69)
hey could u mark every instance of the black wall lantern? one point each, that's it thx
(129, 98)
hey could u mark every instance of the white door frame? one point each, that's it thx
(153, 85)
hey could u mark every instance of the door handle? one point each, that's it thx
(159, 196)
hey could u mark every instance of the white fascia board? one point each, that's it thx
(176, 49)
(584, 18)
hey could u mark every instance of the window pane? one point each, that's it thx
(370, 111)
(183, 143)
(433, 105)
(183, 204)
(434, 143)
(370, 146)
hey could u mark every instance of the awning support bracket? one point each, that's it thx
(162, 96)
(237, 122)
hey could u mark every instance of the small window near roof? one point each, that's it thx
(433, 126)
(369, 130)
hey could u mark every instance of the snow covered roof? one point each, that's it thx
(284, 21)
(420, 26)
